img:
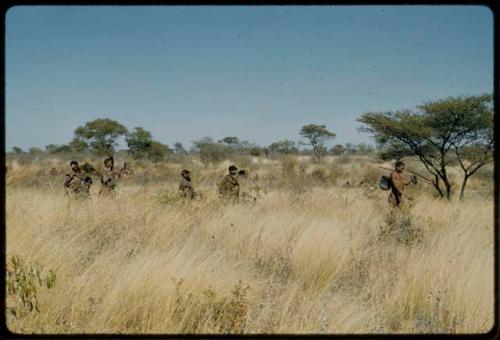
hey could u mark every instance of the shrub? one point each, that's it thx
(23, 281)
(400, 227)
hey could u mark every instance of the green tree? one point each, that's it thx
(139, 142)
(364, 148)
(17, 150)
(78, 145)
(283, 147)
(316, 136)
(209, 151)
(157, 152)
(350, 148)
(440, 133)
(54, 149)
(337, 150)
(230, 141)
(101, 135)
(179, 149)
(35, 151)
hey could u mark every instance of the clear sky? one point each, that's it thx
(256, 72)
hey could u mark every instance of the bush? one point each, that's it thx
(399, 226)
(23, 281)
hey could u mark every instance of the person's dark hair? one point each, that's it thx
(242, 173)
(88, 180)
(109, 159)
(73, 162)
(185, 172)
(232, 167)
(398, 164)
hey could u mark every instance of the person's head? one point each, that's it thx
(399, 166)
(242, 173)
(233, 170)
(186, 174)
(74, 165)
(109, 162)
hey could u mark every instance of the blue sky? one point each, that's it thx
(256, 72)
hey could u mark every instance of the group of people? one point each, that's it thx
(78, 182)
(228, 188)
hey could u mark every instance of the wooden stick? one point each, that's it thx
(411, 172)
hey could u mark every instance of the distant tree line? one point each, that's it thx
(456, 131)
(99, 137)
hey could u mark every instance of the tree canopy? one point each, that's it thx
(455, 130)
(316, 136)
(101, 135)
(210, 152)
(283, 147)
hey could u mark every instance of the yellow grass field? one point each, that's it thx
(315, 252)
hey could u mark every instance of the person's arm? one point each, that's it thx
(405, 181)
(223, 185)
(123, 169)
(67, 180)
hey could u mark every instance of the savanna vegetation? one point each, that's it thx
(311, 246)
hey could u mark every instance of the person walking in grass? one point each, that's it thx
(186, 189)
(76, 183)
(229, 187)
(110, 177)
(398, 183)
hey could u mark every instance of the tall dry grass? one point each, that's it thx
(308, 256)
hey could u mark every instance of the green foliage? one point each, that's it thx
(440, 133)
(139, 142)
(78, 145)
(364, 149)
(158, 151)
(256, 151)
(58, 149)
(17, 150)
(316, 136)
(209, 151)
(35, 151)
(230, 141)
(350, 148)
(101, 135)
(179, 149)
(283, 147)
(23, 282)
(338, 150)
(141, 145)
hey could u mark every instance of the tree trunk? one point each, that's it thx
(464, 183)
(448, 189)
(436, 186)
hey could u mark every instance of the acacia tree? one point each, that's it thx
(338, 149)
(78, 145)
(283, 147)
(101, 135)
(209, 151)
(179, 148)
(230, 141)
(316, 136)
(141, 145)
(17, 150)
(139, 142)
(439, 133)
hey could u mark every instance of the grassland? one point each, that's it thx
(311, 249)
